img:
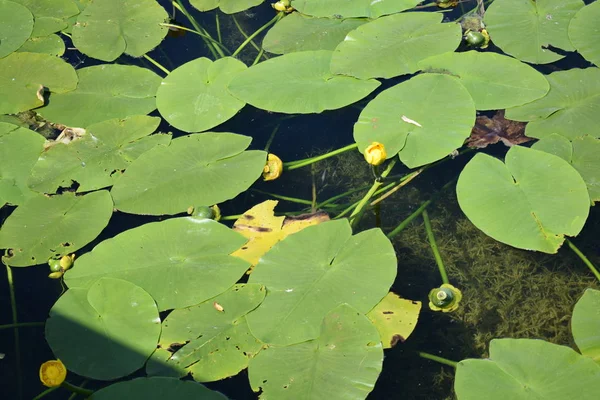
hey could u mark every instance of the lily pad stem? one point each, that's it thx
(15, 321)
(439, 359)
(205, 36)
(245, 35)
(358, 211)
(287, 198)
(307, 161)
(21, 325)
(353, 205)
(434, 248)
(215, 50)
(157, 64)
(585, 260)
(76, 389)
(258, 31)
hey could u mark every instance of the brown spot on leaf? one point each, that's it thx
(388, 312)
(493, 130)
(395, 339)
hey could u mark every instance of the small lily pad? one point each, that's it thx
(584, 32)
(16, 24)
(50, 15)
(227, 6)
(114, 322)
(395, 318)
(51, 44)
(352, 8)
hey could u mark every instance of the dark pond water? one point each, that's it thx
(502, 286)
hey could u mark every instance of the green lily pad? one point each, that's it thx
(395, 318)
(51, 44)
(194, 97)
(104, 92)
(307, 86)
(96, 159)
(342, 362)
(227, 6)
(193, 170)
(180, 261)
(525, 29)
(494, 81)
(585, 324)
(423, 119)
(528, 369)
(215, 336)
(314, 270)
(131, 27)
(584, 32)
(19, 151)
(531, 202)
(16, 24)
(583, 153)
(352, 8)
(114, 322)
(50, 15)
(157, 388)
(45, 227)
(570, 108)
(394, 45)
(299, 32)
(24, 75)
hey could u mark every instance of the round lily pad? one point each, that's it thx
(227, 6)
(531, 202)
(494, 81)
(528, 30)
(584, 32)
(586, 324)
(16, 24)
(342, 362)
(131, 27)
(299, 83)
(194, 97)
(45, 227)
(104, 92)
(50, 15)
(23, 77)
(423, 119)
(51, 44)
(180, 261)
(528, 369)
(114, 323)
(193, 170)
(393, 45)
(157, 388)
(352, 8)
(314, 270)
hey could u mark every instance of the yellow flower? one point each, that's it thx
(273, 168)
(375, 154)
(53, 373)
(445, 298)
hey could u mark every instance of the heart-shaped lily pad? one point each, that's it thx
(531, 202)
(584, 32)
(16, 24)
(114, 322)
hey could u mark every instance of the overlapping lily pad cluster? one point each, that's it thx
(316, 312)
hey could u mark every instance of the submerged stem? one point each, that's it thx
(215, 50)
(203, 35)
(358, 211)
(434, 248)
(15, 321)
(157, 64)
(307, 161)
(583, 258)
(256, 33)
(21, 325)
(439, 359)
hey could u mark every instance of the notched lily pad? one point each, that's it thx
(586, 324)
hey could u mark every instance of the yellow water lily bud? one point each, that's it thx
(53, 373)
(56, 275)
(375, 154)
(279, 6)
(445, 298)
(273, 168)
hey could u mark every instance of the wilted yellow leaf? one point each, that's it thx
(263, 229)
(395, 318)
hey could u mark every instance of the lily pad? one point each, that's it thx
(19, 151)
(308, 86)
(104, 92)
(96, 159)
(583, 153)
(23, 77)
(528, 30)
(157, 388)
(180, 261)
(194, 97)
(51, 44)
(50, 15)
(393, 45)
(423, 119)
(494, 81)
(315, 270)
(570, 108)
(352, 8)
(584, 32)
(227, 6)
(342, 362)
(531, 202)
(131, 27)
(114, 322)
(45, 227)
(193, 170)
(299, 32)
(395, 318)
(16, 24)
(214, 334)
(528, 369)
(586, 324)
